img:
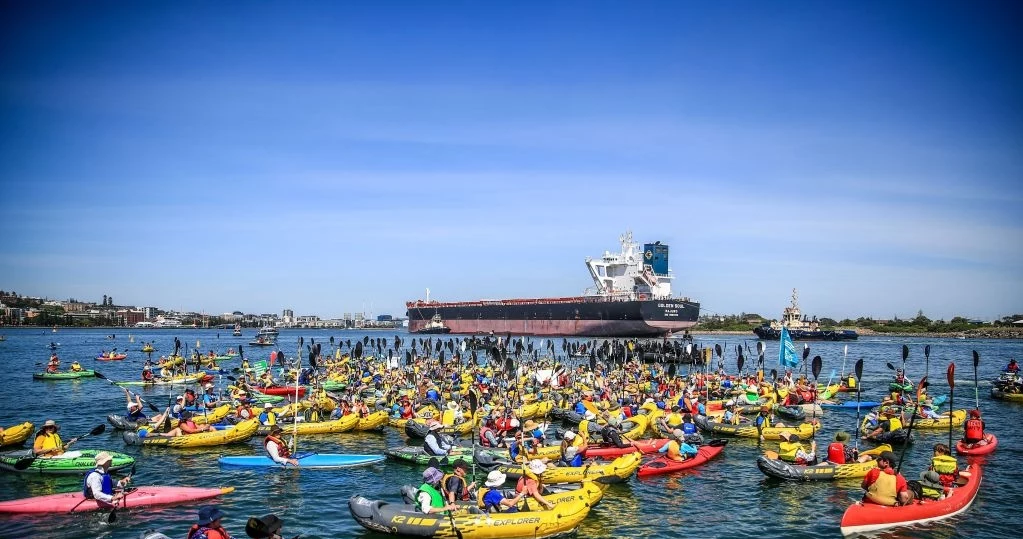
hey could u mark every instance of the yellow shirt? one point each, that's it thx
(47, 442)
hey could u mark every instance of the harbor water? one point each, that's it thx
(728, 497)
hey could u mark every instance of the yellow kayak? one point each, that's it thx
(238, 433)
(334, 426)
(749, 430)
(16, 435)
(957, 419)
(616, 471)
(374, 421)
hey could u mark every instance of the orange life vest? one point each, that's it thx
(282, 448)
(974, 430)
(211, 533)
(836, 453)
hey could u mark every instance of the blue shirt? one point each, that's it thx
(688, 428)
(492, 500)
(579, 408)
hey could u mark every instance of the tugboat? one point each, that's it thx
(801, 328)
(237, 330)
(435, 326)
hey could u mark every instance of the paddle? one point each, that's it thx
(23, 464)
(845, 353)
(976, 387)
(950, 374)
(112, 516)
(905, 354)
(912, 418)
(147, 403)
(859, 380)
(816, 369)
(927, 360)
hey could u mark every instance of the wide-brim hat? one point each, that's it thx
(103, 457)
(263, 527)
(432, 475)
(495, 479)
(678, 434)
(537, 466)
(268, 405)
(530, 425)
(841, 436)
(931, 478)
(51, 423)
(569, 435)
(208, 515)
(452, 405)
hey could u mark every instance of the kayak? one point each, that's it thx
(408, 521)
(70, 463)
(850, 405)
(306, 460)
(374, 421)
(610, 451)
(616, 471)
(897, 437)
(999, 394)
(958, 417)
(282, 391)
(663, 465)
(241, 432)
(120, 422)
(773, 467)
(418, 455)
(344, 424)
(333, 385)
(16, 435)
(66, 375)
(117, 357)
(138, 497)
(186, 379)
(903, 388)
(749, 430)
(976, 450)
(862, 517)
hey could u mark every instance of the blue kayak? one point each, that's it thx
(851, 405)
(305, 460)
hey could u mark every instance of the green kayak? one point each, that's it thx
(70, 463)
(66, 375)
(261, 398)
(418, 455)
(332, 385)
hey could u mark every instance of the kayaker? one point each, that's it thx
(889, 422)
(677, 449)
(973, 430)
(611, 434)
(492, 500)
(487, 436)
(76, 366)
(47, 442)
(135, 412)
(884, 486)
(268, 417)
(147, 373)
(434, 444)
(244, 409)
(454, 486)
(732, 416)
(1012, 367)
(185, 427)
(531, 482)
(209, 400)
(98, 484)
(763, 420)
(931, 486)
(264, 527)
(571, 439)
(429, 497)
(208, 526)
(276, 449)
(671, 421)
(945, 465)
(926, 410)
(792, 451)
(838, 453)
(54, 365)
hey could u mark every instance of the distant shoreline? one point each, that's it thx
(978, 333)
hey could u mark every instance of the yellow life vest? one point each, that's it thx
(448, 418)
(883, 491)
(894, 424)
(49, 441)
(851, 383)
(944, 464)
(674, 450)
(787, 451)
(76, 367)
(674, 420)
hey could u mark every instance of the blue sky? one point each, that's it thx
(336, 157)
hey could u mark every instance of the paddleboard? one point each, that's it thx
(851, 405)
(308, 460)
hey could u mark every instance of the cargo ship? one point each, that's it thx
(802, 328)
(631, 297)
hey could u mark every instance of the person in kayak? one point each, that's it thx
(208, 526)
(276, 448)
(429, 497)
(268, 417)
(98, 484)
(147, 373)
(677, 449)
(792, 451)
(763, 420)
(244, 410)
(889, 421)
(531, 482)
(47, 442)
(76, 366)
(973, 430)
(839, 453)
(732, 416)
(434, 444)
(487, 436)
(209, 400)
(185, 427)
(454, 486)
(54, 365)
(135, 412)
(884, 485)
(1012, 367)
(492, 500)
(671, 421)
(612, 435)
(945, 465)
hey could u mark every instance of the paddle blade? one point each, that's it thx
(24, 463)
(859, 371)
(774, 374)
(890, 366)
(806, 351)
(951, 374)
(905, 352)
(927, 351)
(760, 348)
(741, 362)
(98, 430)
(976, 360)
(99, 375)
(717, 349)
(816, 366)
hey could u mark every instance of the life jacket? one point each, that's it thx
(282, 448)
(444, 486)
(448, 418)
(674, 420)
(836, 453)
(894, 424)
(674, 450)
(147, 374)
(76, 367)
(50, 441)
(851, 382)
(268, 418)
(436, 499)
(944, 464)
(108, 485)
(974, 430)
(787, 451)
(246, 410)
(764, 422)
(688, 428)
(202, 532)
(883, 490)
(484, 441)
(490, 508)
(627, 411)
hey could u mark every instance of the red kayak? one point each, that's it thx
(662, 465)
(282, 391)
(118, 357)
(644, 446)
(140, 497)
(862, 517)
(989, 447)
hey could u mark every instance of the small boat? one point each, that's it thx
(849, 405)
(977, 450)
(282, 391)
(237, 330)
(66, 375)
(136, 497)
(800, 328)
(826, 471)
(663, 465)
(15, 435)
(610, 451)
(263, 341)
(749, 430)
(313, 461)
(111, 357)
(615, 471)
(435, 326)
(861, 518)
(239, 433)
(68, 463)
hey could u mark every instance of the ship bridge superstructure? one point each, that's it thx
(637, 272)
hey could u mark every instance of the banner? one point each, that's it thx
(787, 356)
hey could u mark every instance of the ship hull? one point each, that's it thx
(587, 318)
(771, 334)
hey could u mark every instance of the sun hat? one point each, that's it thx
(268, 405)
(931, 479)
(590, 416)
(841, 436)
(103, 457)
(786, 435)
(208, 515)
(495, 479)
(530, 425)
(432, 475)
(208, 386)
(569, 435)
(435, 425)
(51, 423)
(537, 466)
(678, 434)
(263, 527)
(452, 405)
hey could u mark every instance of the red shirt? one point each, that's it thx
(872, 475)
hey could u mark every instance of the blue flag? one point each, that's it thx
(787, 356)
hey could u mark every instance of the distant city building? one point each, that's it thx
(384, 318)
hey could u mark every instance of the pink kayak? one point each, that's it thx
(141, 497)
(662, 465)
(644, 446)
(989, 447)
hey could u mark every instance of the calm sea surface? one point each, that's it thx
(728, 497)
